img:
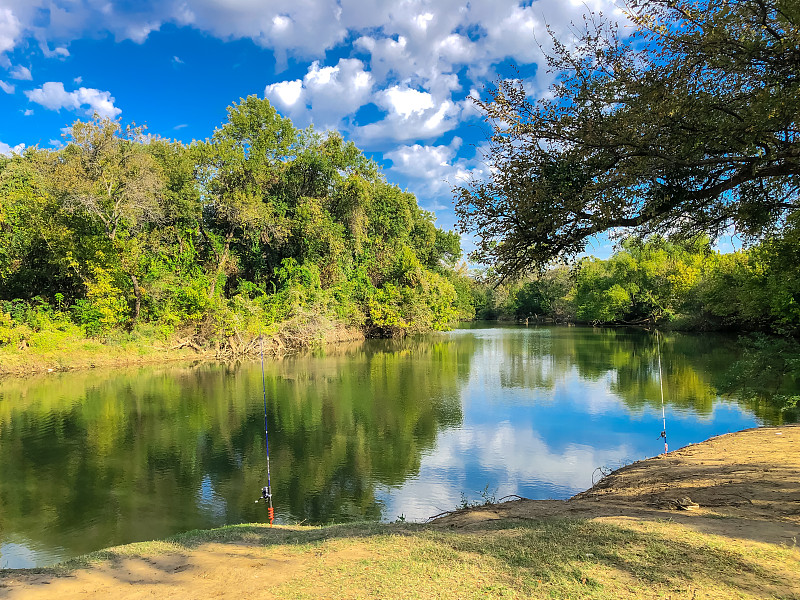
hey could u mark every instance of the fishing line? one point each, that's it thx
(266, 492)
(661, 384)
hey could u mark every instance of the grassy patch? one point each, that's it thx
(82, 353)
(506, 559)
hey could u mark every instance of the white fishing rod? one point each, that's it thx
(661, 385)
(266, 491)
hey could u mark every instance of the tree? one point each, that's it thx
(644, 282)
(106, 174)
(239, 168)
(30, 263)
(691, 125)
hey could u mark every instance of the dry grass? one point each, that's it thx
(623, 558)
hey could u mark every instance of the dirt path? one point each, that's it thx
(210, 571)
(746, 486)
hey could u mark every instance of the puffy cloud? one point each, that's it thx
(20, 72)
(285, 94)
(300, 27)
(414, 39)
(27, 112)
(53, 96)
(326, 94)
(8, 88)
(422, 53)
(406, 102)
(411, 115)
(7, 150)
(433, 165)
(433, 171)
(10, 30)
(306, 27)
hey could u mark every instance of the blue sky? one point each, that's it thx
(394, 77)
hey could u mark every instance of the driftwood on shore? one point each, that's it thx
(291, 337)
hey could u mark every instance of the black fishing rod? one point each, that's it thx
(266, 491)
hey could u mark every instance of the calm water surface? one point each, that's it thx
(369, 431)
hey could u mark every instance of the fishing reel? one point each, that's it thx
(266, 495)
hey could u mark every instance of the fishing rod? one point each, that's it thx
(266, 491)
(661, 384)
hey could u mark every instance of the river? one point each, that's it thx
(374, 430)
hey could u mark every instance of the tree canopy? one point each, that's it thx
(688, 126)
(262, 225)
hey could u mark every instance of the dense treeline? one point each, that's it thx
(260, 225)
(685, 285)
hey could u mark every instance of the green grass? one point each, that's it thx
(504, 559)
(84, 353)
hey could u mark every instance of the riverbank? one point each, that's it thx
(636, 534)
(78, 353)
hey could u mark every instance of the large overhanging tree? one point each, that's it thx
(688, 125)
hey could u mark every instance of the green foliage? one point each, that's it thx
(37, 324)
(643, 282)
(684, 285)
(259, 224)
(685, 121)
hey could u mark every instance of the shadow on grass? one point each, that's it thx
(567, 552)
(570, 557)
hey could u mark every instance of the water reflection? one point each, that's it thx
(372, 430)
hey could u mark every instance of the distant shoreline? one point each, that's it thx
(84, 354)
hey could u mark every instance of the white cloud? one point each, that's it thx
(28, 112)
(433, 171)
(78, 80)
(304, 28)
(58, 52)
(7, 150)
(8, 88)
(10, 30)
(307, 28)
(53, 96)
(432, 164)
(422, 53)
(406, 102)
(411, 115)
(325, 94)
(285, 94)
(20, 72)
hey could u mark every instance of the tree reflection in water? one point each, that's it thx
(97, 458)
